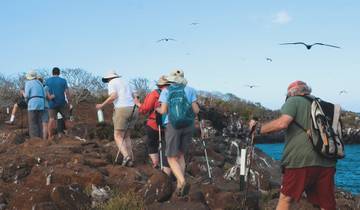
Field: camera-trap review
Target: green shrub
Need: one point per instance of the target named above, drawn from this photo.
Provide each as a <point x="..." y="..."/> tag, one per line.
<point x="124" y="201"/>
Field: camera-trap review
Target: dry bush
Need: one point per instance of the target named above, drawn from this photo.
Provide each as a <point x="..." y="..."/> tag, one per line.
<point x="83" y="85"/>
<point x="10" y="87"/>
<point x="9" y="90"/>
<point x="141" y="87"/>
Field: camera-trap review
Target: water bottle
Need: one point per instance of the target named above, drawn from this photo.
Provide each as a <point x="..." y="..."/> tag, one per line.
<point x="48" y="180"/>
<point x="100" y="116"/>
<point x="7" y="110"/>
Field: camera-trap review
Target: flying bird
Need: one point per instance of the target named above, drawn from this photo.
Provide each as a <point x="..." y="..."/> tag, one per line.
<point x="166" y="40"/>
<point x="194" y="23"/>
<point x="342" y="92"/>
<point x="269" y="59"/>
<point x="251" y="86"/>
<point x="309" y="46"/>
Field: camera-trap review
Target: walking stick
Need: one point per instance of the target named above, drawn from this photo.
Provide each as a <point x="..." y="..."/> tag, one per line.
<point x="126" y="130"/>
<point x="250" y="160"/>
<point x="205" y="151"/>
<point x="158" y="120"/>
<point x="160" y="149"/>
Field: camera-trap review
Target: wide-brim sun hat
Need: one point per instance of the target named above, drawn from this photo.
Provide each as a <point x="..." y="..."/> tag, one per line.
<point x="110" y="75"/>
<point x="31" y="75"/>
<point x="177" y="76"/>
<point x="162" y="81"/>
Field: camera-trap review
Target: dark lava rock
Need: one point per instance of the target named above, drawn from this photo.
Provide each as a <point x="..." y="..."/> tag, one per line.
<point x="70" y="197"/>
<point x="158" y="188"/>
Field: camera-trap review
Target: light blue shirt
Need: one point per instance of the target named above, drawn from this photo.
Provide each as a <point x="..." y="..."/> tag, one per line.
<point x="189" y="92"/>
<point x="35" y="95"/>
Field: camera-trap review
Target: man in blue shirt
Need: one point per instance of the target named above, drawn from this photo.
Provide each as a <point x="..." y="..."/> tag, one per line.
<point x="178" y="140"/>
<point x="58" y="89"/>
<point x="34" y="94"/>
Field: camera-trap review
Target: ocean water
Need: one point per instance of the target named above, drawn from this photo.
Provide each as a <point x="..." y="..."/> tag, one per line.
<point x="347" y="170"/>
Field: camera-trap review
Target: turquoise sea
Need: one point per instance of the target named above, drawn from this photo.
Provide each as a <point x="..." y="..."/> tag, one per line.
<point x="347" y="170"/>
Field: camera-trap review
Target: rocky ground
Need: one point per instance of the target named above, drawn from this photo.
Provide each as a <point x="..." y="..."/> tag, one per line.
<point x="77" y="172"/>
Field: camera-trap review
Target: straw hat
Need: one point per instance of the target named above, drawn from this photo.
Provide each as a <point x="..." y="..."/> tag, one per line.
<point x="162" y="81"/>
<point x="31" y="75"/>
<point x="110" y="75"/>
<point x="177" y="76"/>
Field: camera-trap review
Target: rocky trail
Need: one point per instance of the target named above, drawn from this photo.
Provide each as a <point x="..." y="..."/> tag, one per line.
<point x="77" y="171"/>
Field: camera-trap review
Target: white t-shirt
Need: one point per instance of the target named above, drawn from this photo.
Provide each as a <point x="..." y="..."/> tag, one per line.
<point x="124" y="92"/>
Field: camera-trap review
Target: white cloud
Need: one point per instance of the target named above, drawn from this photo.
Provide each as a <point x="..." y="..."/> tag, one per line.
<point x="282" y="17"/>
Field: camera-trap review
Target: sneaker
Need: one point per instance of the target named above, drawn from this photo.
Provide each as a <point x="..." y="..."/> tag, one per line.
<point x="183" y="190"/>
<point x="9" y="122"/>
<point x="130" y="163"/>
<point x="126" y="161"/>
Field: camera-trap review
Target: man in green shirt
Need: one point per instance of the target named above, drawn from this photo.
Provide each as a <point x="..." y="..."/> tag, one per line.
<point x="304" y="169"/>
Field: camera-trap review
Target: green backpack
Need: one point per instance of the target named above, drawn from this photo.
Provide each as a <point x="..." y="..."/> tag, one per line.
<point x="180" y="110"/>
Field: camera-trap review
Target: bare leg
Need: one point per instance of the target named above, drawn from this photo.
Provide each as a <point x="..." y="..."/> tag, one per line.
<point x="52" y="126"/>
<point x="129" y="145"/>
<point x="119" y="140"/>
<point x="284" y="202"/>
<point x="167" y="170"/>
<point x="45" y="127"/>
<point x="177" y="170"/>
<point x="181" y="159"/>
<point x="14" y="110"/>
<point x="154" y="157"/>
<point x="13" y="113"/>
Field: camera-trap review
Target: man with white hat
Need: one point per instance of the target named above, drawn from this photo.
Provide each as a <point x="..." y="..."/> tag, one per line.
<point x="35" y="96"/>
<point x="178" y="99"/>
<point x="121" y="95"/>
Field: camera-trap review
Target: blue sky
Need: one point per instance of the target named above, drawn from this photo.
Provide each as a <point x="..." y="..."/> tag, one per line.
<point x="226" y="51"/>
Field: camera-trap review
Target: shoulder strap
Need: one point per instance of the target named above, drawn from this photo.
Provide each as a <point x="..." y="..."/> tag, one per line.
<point x="42" y="88"/>
<point x="336" y="117"/>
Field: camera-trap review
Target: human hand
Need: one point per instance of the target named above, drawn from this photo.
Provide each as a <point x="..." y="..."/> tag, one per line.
<point x="252" y="124"/>
<point x="99" y="106"/>
<point x="137" y="101"/>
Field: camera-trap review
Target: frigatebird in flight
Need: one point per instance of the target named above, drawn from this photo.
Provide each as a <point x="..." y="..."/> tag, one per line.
<point x="342" y="92"/>
<point x="308" y="46"/>
<point x="166" y="40"/>
<point x="251" y="86"/>
<point x="269" y="59"/>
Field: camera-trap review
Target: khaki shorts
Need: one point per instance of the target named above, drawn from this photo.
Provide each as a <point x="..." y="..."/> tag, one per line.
<point x="122" y="118"/>
<point x="64" y="111"/>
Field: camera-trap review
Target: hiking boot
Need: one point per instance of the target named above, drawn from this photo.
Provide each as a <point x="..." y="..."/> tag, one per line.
<point x="127" y="162"/>
<point x="130" y="163"/>
<point x="183" y="190"/>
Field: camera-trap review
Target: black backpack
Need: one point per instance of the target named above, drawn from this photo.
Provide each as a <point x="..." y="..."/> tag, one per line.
<point x="325" y="132"/>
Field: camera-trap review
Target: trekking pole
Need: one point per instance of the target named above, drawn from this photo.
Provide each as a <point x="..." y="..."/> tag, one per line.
<point x="126" y="130"/>
<point x="250" y="160"/>
<point x="159" y="123"/>
<point x="160" y="148"/>
<point x="205" y="151"/>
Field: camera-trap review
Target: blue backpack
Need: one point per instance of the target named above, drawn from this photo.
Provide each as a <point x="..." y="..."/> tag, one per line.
<point x="180" y="110"/>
